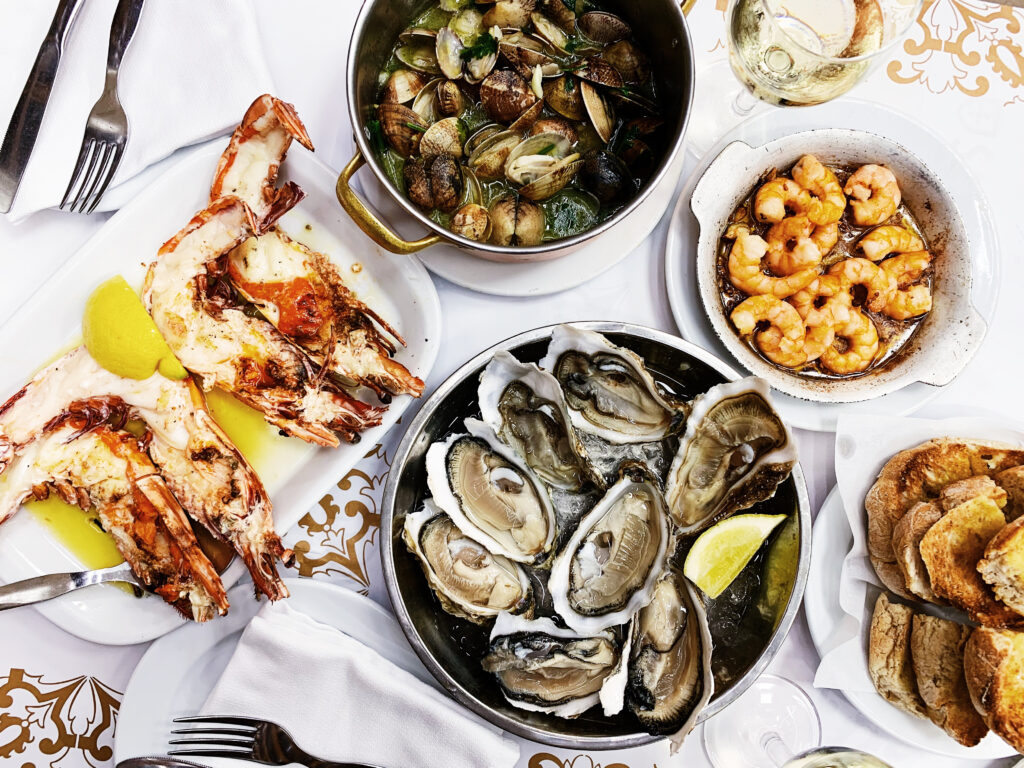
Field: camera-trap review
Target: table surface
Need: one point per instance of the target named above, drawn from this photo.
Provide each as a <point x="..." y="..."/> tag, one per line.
<point x="961" y="73"/>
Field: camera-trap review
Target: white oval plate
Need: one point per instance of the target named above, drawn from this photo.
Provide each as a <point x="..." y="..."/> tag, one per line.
<point x="681" y="243"/>
<point x="543" y="277"/>
<point x="50" y="321"/>
<point x="832" y="540"/>
<point x="177" y="673"/>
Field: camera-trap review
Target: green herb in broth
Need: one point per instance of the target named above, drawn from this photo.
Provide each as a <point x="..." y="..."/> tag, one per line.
<point x="484" y="45"/>
<point x="569" y="213"/>
<point x="433" y="18"/>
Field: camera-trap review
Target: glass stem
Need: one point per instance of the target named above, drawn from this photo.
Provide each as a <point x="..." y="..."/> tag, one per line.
<point x="776" y="748"/>
<point x="744" y="102"/>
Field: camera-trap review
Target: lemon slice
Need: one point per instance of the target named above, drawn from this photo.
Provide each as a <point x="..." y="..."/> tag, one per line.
<point x="122" y="337"/>
<point x="721" y="552"/>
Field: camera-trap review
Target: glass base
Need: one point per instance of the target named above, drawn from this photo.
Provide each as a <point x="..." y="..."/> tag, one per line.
<point x="720" y="103"/>
<point x="772" y="721"/>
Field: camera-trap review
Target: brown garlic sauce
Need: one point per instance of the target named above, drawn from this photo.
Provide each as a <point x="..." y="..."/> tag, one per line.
<point x="893" y="335"/>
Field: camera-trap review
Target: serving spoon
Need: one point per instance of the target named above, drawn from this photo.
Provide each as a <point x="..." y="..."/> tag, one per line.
<point x="39" y="589"/>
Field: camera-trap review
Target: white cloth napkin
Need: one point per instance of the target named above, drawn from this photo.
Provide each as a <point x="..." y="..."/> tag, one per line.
<point x="189" y="74"/>
<point x="341" y="700"/>
<point x="863" y="446"/>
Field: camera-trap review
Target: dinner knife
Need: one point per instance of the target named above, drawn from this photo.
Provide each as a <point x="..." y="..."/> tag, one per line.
<point x="41" y="588"/>
<point x="23" y="129"/>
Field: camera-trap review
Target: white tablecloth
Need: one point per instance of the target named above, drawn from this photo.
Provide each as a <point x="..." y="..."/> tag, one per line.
<point x="961" y="73"/>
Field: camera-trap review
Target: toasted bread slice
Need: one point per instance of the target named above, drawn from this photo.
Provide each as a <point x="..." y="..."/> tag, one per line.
<point x="994" y="671"/>
<point x="889" y="662"/>
<point x="1003" y="565"/>
<point x="906" y="541"/>
<point x="919" y="474"/>
<point x="1012" y="481"/>
<point x="951" y="551"/>
<point x="937" y="650"/>
<point x="955" y="494"/>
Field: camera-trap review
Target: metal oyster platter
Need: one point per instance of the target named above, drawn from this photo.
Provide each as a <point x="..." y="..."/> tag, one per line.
<point x="550" y="599"/>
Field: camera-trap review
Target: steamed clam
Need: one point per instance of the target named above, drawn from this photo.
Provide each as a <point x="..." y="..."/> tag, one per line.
<point x="503" y="67"/>
<point x="606" y="572"/>
<point x="670" y="677"/>
<point x="734" y="453"/>
<point x="491" y="495"/>
<point x="469" y="581"/>
<point x="524" y="406"/>
<point x="609" y="391"/>
<point x="544" y="668"/>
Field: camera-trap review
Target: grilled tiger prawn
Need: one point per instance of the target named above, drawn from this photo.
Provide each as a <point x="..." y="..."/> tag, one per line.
<point x="109" y="471"/>
<point x="197" y="461"/>
<point x="227" y="348"/>
<point x="299" y="290"/>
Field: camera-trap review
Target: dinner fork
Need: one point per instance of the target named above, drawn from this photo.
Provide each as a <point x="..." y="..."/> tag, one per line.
<point x="245" y="738"/>
<point x="106" y="130"/>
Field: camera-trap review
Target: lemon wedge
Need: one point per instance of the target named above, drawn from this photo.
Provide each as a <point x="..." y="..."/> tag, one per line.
<point x="723" y="550"/>
<point x="122" y="337"/>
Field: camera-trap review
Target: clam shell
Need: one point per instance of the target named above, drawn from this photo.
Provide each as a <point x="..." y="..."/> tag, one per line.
<point x="563" y="95"/>
<point x="420" y="56"/>
<point x="602" y="27"/>
<point x="599" y="72"/>
<point x="598" y="110"/>
<point x="395" y="121"/>
<point x="403" y="85"/>
<point x="489" y="156"/>
<point x="553" y="181"/>
<point x="448" y="51"/>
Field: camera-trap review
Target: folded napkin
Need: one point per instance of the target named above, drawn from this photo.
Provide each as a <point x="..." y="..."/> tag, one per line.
<point x="341" y="700"/>
<point x="189" y="74"/>
<point x="863" y="445"/>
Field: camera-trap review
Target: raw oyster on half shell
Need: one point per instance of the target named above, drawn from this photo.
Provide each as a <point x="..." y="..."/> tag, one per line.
<point x="670" y="677"/>
<point x="524" y="407"/>
<point x="491" y="495"/>
<point x="606" y="572"/>
<point x="469" y="581"/>
<point x="543" y="668"/>
<point x="609" y="391"/>
<point x="735" y="452"/>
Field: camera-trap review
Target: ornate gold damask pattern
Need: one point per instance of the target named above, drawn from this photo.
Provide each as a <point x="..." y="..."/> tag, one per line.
<point x="68" y="722"/>
<point x="963" y="46"/>
<point x="548" y="760"/>
<point x="340" y="536"/>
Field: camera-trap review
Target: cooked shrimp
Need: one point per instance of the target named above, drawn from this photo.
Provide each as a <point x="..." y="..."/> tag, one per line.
<point x="874" y="193"/>
<point x="877" y="283"/>
<point x="828" y="296"/>
<point x="109" y="471"/>
<point x="779" y="198"/>
<point x="248" y="168"/>
<point x="227" y="348"/>
<point x="786" y="345"/>
<point x="909" y="299"/>
<point x="889" y="239"/>
<point x="789" y="340"/>
<point x="858" y="338"/>
<point x="747" y="274"/>
<point x="828" y="202"/>
<point x="825" y="236"/>
<point x="790" y="247"/>
<point x="199" y="463"/>
<point x="302" y="293"/>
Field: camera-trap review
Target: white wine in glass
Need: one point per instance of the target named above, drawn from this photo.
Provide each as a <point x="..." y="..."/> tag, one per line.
<point x="835" y="757"/>
<point x="804" y="52"/>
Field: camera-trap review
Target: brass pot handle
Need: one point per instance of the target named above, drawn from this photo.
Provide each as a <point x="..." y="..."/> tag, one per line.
<point x="370" y="224"/>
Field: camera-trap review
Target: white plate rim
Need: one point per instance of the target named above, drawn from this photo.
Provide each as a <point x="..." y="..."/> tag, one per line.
<point x="680" y="280"/>
<point x="823" y="614"/>
<point x="319" y="179"/>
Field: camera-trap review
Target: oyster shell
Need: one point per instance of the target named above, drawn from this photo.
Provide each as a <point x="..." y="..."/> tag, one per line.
<point x="491" y="495"/>
<point x="524" y="406"/>
<point x="469" y="581"/>
<point x="606" y="572"/>
<point x="543" y="668"/>
<point x="609" y="391"/>
<point x="670" y="678"/>
<point x="734" y="453"/>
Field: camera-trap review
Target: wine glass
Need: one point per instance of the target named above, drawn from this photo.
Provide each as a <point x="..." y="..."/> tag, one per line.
<point x="774" y="724"/>
<point x="793" y="53"/>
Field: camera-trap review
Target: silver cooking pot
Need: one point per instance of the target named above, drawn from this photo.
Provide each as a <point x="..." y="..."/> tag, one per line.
<point x="660" y="28"/>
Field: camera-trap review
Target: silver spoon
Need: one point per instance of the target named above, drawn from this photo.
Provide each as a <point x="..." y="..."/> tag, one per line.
<point x="41" y="588"/>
